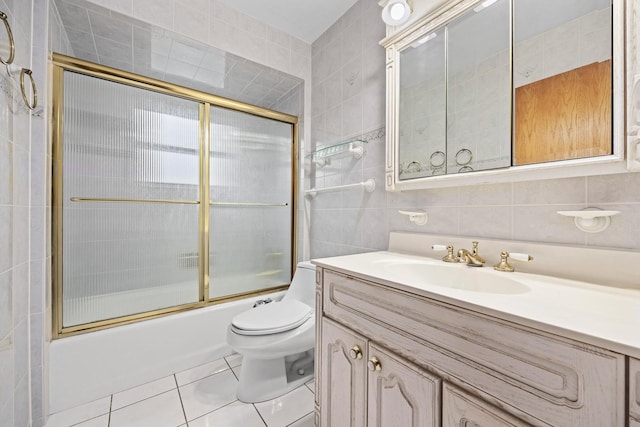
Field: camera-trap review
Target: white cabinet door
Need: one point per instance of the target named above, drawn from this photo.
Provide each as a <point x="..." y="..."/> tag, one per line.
<point x="399" y="393"/>
<point x="344" y="377"/>
<point x="460" y="409"/>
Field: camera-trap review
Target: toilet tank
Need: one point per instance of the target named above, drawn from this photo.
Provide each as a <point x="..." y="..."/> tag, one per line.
<point x="303" y="285"/>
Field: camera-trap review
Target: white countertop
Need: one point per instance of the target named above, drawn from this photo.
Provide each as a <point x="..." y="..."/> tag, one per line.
<point x="604" y="316"/>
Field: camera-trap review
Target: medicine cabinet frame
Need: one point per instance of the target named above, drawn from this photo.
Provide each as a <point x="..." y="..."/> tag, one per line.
<point x="433" y="18"/>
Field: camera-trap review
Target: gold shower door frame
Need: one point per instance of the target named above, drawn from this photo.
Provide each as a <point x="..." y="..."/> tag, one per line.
<point x="62" y="63"/>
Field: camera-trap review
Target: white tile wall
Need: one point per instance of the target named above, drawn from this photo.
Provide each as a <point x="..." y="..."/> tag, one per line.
<point x="22" y="314"/>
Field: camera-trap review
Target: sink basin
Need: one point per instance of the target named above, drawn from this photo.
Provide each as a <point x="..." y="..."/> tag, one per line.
<point x="472" y="279"/>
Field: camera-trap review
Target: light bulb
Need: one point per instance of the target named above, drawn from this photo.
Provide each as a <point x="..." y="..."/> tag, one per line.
<point x="397" y="11"/>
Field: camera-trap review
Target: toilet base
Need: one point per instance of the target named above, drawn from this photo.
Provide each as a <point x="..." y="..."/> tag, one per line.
<point x="266" y="379"/>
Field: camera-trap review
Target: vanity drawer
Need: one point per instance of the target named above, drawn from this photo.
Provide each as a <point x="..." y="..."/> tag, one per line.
<point x="461" y="409"/>
<point x="551" y="380"/>
<point x="634" y="390"/>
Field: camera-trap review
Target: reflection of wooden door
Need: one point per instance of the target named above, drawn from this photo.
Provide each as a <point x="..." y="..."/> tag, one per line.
<point x="566" y="116"/>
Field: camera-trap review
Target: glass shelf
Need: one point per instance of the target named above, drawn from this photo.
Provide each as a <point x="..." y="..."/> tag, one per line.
<point x="321" y="156"/>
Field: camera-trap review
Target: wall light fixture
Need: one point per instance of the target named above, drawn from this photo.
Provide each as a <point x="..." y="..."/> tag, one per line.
<point x="396" y="12"/>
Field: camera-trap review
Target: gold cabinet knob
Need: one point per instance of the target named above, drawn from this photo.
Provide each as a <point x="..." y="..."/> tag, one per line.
<point x="355" y="352"/>
<point x="374" y="365"/>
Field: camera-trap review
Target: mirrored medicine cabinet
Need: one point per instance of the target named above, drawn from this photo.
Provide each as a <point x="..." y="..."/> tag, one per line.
<point x="506" y="90"/>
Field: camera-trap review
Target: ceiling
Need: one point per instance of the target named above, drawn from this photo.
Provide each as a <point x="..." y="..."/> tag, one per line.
<point x="106" y="37"/>
<point x="304" y="19"/>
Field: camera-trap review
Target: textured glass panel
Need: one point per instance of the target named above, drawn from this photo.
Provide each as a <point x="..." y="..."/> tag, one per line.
<point x="122" y="259"/>
<point x="127" y="143"/>
<point x="251" y="162"/>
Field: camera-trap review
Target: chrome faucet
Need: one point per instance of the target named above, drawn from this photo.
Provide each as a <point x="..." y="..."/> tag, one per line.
<point x="471" y="258"/>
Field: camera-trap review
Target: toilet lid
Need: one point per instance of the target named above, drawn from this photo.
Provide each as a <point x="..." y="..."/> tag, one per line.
<point x="271" y="318"/>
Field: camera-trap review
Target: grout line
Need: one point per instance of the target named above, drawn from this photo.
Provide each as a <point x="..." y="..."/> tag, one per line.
<point x="184" y="413"/>
<point x="110" y="408"/>
<point x="259" y="414"/>
<point x="305" y="415"/>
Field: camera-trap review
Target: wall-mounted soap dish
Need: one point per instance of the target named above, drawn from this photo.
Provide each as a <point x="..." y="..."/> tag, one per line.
<point x="416" y="217"/>
<point x="591" y="220"/>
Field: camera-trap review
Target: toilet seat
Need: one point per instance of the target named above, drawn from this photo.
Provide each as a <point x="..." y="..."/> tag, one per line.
<point x="271" y="318"/>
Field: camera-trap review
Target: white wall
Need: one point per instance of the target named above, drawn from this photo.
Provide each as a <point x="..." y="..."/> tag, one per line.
<point x="23" y="254"/>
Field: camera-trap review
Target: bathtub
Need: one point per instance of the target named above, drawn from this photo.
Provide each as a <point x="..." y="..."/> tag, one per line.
<point x="86" y="367"/>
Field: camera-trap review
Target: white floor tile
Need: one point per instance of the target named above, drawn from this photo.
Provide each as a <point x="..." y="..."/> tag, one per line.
<point x="201" y="371"/>
<point x="234" y="360"/>
<point x="288" y="408"/>
<point x="236" y="371"/>
<point x="145" y="391"/>
<point x="312" y="385"/>
<point x="236" y="414"/>
<point x="101" y="421"/>
<point x="208" y="394"/>
<point x="158" y="411"/>
<point x="306" y="421"/>
<point x="80" y="413"/>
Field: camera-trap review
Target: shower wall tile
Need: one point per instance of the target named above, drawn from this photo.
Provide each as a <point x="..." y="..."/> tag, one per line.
<point x="490" y="221"/>
<point x="544" y="224"/>
<point x="374" y="229"/>
<point x="378" y="198"/>
<point x="566" y="190"/>
<point x="6" y="172"/>
<point x="191" y="19"/>
<point x="623" y="231"/>
<point x="374" y="155"/>
<point x="442" y="197"/>
<point x="6" y="307"/>
<point x="157" y="12"/>
<point x="620" y="188"/>
<point x="483" y="195"/>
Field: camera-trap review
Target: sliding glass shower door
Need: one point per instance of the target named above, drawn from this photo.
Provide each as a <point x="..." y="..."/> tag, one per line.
<point x="130" y="200"/>
<point x="251" y="197"/>
<point x="165" y="198"/>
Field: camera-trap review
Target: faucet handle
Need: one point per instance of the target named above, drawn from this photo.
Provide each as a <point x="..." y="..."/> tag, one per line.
<point x="521" y="257"/>
<point x="504" y="265"/>
<point x="475" y="252"/>
<point x="449" y="257"/>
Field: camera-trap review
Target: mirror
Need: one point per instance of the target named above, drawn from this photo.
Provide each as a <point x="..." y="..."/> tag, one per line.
<point x="501" y="85"/>
<point x="423" y="107"/>
<point x="479" y="89"/>
<point x="562" y="80"/>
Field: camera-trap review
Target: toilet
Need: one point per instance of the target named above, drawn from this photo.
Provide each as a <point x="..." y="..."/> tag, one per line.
<point x="277" y="340"/>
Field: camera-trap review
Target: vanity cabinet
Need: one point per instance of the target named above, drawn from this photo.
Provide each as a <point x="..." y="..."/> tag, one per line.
<point x="480" y="370"/>
<point x="462" y="409"/>
<point x="366" y="385"/>
<point x="634" y="393"/>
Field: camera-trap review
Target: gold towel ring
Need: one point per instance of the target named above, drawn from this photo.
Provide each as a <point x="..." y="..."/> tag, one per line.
<point x="30" y="105"/>
<point x="12" y="45"/>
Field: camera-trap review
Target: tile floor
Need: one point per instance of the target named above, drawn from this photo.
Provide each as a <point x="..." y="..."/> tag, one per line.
<point x="204" y="396"/>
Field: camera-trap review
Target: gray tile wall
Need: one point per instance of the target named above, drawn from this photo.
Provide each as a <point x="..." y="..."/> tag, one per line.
<point x="356" y="221"/>
<point x="16" y="224"/>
